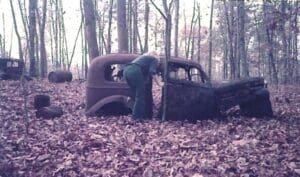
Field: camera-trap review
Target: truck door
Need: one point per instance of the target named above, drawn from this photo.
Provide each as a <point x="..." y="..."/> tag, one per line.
<point x="188" y="98"/>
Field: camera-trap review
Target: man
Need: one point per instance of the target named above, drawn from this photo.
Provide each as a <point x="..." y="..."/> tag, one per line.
<point x="138" y="75"/>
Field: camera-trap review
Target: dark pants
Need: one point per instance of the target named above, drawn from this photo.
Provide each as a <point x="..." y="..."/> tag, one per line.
<point x="149" y="99"/>
<point x="136" y="81"/>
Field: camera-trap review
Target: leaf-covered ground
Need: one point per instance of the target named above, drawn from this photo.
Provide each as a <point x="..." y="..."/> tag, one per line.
<point x="75" y="145"/>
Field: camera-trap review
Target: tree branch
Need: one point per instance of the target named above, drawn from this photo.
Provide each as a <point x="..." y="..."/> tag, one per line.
<point x="162" y="14"/>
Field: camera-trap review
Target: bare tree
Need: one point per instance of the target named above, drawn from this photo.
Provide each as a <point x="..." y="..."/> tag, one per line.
<point x="168" y="28"/>
<point x="241" y="40"/>
<point x="295" y="64"/>
<point x="146" y="18"/>
<point x="2" y="38"/>
<point x="199" y="34"/>
<point x="269" y="35"/>
<point x="16" y="30"/>
<point x="134" y="26"/>
<point x="176" y="3"/>
<point x="191" y="31"/>
<point x="24" y="19"/>
<point x="43" y="56"/>
<point x="122" y="26"/>
<point x="110" y="15"/>
<point x="32" y="36"/>
<point x="210" y="39"/>
<point x="230" y="39"/>
<point x="75" y="43"/>
<point x="90" y="28"/>
<point x="260" y="62"/>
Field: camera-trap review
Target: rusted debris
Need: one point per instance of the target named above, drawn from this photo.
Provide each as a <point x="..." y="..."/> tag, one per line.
<point x="60" y="76"/>
<point x="11" y="68"/>
<point x="49" y="112"/>
<point x="41" y="101"/>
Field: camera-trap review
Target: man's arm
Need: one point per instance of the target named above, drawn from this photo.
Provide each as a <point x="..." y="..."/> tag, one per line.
<point x="156" y="80"/>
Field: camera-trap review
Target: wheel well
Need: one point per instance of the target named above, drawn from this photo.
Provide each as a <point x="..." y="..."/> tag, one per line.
<point x="113" y="108"/>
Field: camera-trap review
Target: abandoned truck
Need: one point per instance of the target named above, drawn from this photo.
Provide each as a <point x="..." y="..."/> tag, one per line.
<point x="11" y="68"/>
<point x="190" y="94"/>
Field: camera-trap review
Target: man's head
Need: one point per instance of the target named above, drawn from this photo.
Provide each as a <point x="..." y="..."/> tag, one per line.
<point x="154" y="54"/>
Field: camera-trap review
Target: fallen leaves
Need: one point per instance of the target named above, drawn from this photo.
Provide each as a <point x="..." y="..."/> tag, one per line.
<point x="75" y="145"/>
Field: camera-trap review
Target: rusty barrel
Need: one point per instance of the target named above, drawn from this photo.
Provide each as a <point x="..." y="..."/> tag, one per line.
<point x="60" y="76"/>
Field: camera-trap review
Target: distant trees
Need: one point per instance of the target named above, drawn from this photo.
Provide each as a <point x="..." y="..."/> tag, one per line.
<point x="260" y="42"/>
<point x="246" y="38"/>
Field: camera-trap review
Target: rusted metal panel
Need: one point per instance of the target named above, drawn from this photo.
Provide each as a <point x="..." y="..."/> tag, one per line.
<point x="11" y="68"/>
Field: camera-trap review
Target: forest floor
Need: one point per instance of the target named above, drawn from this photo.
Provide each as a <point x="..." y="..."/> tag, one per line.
<point x="76" y="145"/>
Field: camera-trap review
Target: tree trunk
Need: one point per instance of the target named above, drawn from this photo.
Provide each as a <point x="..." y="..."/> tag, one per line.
<point x="156" y="33"/>
<point x="146" y="18"/>
<point x="193" y="43"/>
<point x="51" y="31"/>
<point x="130" y="16"/>
<point x="24" y="19"/>
<point x="270" y="50"/>
<point x="260" y="62"/>
<point x="225" y="48"/>
<point x="236" y="37"/>
<point x="16" y="31"/>
<point x="185" y="34"/>
<point x="122" y="27"/>
<point x="210" y="40"/>
<point x="32" y="36"/>
<point x="3" y="51"/>
<point x="135" y="26"/>
<point x="230" y="40"/>
<point x="168" y="28"/>
<point x="110" y="14"/>
<point x="295" y="47"/>
<point x="190" y="32"/>
<point x="75" y="43"/>
<point x="56" y="31"/>
<point x="37" y="49"/>
<point x="99" y="27"/>
<point x="43" y="56"/>
<point x="285" y="56"/>
<point x="90" y="28"/>
<point x="241" y="40"/>
<point x="64" y="46"/>
<point x="199" y="35"/>
<point x="176" y="3"/>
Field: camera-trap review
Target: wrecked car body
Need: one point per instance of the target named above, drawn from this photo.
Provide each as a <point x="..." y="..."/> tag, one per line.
<point x="11" y="68"/>
<point x="190" y="94"/>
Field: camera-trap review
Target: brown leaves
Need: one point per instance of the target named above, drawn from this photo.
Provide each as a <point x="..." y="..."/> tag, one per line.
<point x="75" y="145"/>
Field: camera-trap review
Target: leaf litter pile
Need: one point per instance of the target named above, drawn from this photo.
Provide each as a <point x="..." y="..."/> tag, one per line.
<point x="76" y="145"/>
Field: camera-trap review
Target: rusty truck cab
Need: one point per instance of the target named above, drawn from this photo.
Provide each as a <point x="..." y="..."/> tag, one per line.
<point x="105" y="89"/>
<point x="107" y="92"/>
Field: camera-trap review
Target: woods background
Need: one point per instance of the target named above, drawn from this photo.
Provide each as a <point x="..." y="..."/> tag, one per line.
<point x="243" y="38"/>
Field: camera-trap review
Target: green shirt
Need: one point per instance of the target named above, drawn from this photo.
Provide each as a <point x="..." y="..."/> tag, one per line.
<point x="148" y="63"/>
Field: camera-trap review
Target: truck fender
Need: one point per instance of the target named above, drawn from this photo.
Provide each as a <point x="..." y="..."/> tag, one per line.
<point x="115" y="98"/>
